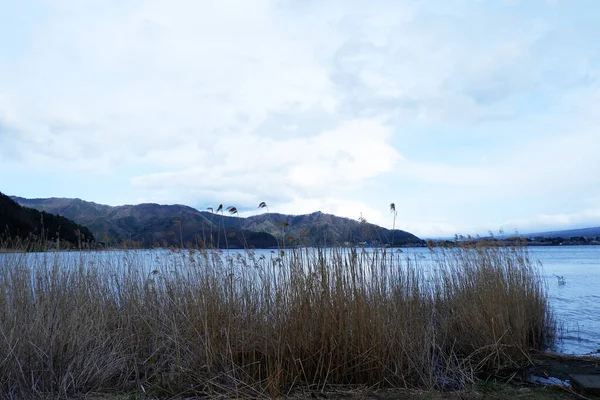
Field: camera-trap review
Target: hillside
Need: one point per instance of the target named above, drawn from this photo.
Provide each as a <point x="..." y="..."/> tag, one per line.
<point x="160" y="225"/>
<point x="153" y="225"/>
<point x="21" y="222"/>
<point x="589" y="233"/>
<point x="320" y="228"/>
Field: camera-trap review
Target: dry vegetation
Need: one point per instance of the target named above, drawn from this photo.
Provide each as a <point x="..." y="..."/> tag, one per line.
<point x="204" y="322"/>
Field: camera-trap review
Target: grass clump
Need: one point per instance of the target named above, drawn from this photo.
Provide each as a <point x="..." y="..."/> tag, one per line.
<point x="245" y="324"/>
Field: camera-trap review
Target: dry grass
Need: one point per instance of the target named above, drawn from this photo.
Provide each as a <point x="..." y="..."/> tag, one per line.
<point x="201" y="322"/>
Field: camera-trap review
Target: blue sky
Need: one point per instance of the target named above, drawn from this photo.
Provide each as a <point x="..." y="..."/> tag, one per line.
<point x="470" y="116"/>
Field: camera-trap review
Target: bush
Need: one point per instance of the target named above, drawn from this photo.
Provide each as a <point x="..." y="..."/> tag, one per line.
<point x="206" y="322"/>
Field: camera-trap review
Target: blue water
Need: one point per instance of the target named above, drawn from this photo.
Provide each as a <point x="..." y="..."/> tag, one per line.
<point x="576" y="303"/>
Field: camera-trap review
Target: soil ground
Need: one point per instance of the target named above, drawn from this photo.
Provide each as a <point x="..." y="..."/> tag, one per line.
<point x="545" y="365"/>
<point x="484" y="390"/>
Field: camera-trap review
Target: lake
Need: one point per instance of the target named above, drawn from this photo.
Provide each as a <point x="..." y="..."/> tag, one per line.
<point x="576" y="303"/>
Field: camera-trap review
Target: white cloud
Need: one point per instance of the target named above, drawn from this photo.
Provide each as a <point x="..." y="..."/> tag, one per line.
<point x="546" y="222"/>
<point x="186" y="73"/>
<point x="249" y="167"/>
<point x="310" y="105"/>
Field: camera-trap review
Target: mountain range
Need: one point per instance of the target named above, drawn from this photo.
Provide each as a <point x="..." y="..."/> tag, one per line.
<point x="148" y="225"/>
<point x="593" y="232"/>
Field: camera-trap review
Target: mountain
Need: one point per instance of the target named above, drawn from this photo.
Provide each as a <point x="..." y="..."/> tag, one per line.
<point x="319" y="228"/>
<point x="21" y="222"/>
<point x="173" y="225"/>
<point x="154" y="225"/>
<point x="581" y="232"/>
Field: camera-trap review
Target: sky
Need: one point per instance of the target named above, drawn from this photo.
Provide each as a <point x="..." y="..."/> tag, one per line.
<point x="469" y="115"/>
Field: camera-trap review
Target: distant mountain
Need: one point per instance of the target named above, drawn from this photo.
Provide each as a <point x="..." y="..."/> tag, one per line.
<point x="319" y="229"/>
<point x="581" y="232"/>
<point x="154" y="225"/>
<point x="21" y="222"/>
<point x="173" y="225"/>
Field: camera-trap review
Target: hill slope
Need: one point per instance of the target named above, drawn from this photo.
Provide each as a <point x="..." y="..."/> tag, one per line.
<point x="320" y="228"/>
<point x="148" y="225"/>
<point x="28" y="223"/>
<point x="153" y="224"/>
<point x="585" y="232"/>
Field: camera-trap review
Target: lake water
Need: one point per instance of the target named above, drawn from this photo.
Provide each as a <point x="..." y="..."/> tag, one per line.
<point x="576" y="303"/>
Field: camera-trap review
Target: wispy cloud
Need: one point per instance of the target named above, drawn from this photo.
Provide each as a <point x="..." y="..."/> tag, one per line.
<point x="471" y="113"/>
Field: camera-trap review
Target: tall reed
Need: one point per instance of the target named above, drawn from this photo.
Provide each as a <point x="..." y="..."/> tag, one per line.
<point x="246" y="324"/>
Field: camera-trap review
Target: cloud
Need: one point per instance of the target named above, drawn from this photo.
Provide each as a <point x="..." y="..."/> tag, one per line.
<point x="250" y="167"/>
<point x="436" y="65"/>
<point x="149" y="76"/>
<point x="118" y="85"/>
<point x="546" y="222"/>
<point x="470" y="109"/>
